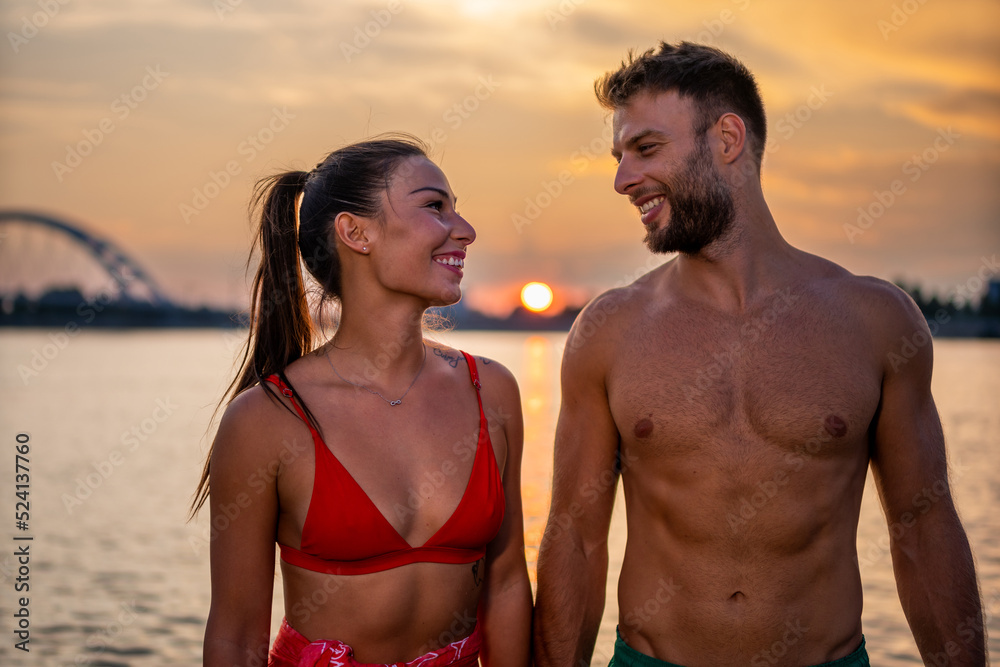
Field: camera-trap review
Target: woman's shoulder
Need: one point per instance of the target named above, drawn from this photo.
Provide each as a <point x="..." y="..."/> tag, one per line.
<point x="498" y="386"/>
<point x="253" y="420"/>
<point x="490" y="371"/>
<point x="494" y="374"/>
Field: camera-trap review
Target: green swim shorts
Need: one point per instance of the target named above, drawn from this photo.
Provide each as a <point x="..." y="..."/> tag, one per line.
<point x="626" y="656"/>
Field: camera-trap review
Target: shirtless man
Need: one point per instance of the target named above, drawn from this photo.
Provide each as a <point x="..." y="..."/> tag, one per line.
<point x="741" y="390"/>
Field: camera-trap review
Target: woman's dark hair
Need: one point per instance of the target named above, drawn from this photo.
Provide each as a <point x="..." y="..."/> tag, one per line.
<point x="350" y="179"/>
<point x="716" y="81"/>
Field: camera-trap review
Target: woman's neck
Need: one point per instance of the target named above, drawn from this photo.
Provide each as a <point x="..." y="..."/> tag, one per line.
<point x="384" y="340"/>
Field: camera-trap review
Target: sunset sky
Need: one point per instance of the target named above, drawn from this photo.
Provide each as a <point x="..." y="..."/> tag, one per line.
<point x="162" y="95"/>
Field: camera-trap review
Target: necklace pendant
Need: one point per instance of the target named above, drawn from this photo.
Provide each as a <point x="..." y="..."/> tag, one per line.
<point x="372" y="391"/>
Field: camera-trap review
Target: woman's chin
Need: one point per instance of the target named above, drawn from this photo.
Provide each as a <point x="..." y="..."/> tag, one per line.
<point x="449" y="299"/>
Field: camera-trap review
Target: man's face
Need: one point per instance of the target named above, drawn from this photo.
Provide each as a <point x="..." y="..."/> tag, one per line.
<point x="668" y="173"/>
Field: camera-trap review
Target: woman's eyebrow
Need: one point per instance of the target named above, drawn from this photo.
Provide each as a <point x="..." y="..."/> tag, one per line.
<point x="437" y="190"/>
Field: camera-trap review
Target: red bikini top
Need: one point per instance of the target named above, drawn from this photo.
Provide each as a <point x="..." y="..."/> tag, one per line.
<point x="345" y="533"/>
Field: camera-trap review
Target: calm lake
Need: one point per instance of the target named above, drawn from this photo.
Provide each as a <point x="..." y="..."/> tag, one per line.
<point x="117" y="425"/>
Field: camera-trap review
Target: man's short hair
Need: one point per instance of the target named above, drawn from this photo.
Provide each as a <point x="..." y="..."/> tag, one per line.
<point x="717" y="82"/>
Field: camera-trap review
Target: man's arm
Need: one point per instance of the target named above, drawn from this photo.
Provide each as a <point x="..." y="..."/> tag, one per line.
<point x="573" y="558"/>
<point x="505" y="605"/>
<point x="931" y="558"/>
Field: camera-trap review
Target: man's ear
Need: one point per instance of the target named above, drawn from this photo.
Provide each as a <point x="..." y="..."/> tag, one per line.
<point x="731" y="132"/>
<point x="354" y="231"/>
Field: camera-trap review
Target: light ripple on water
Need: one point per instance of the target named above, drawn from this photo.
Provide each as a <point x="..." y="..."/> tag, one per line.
<point x="135" y="650"/>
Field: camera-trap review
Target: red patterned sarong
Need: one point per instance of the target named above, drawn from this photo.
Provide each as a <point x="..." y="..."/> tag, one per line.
<point x="291" y="649"/>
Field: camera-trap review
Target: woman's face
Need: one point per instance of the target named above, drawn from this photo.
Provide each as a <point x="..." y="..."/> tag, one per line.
<point x="422" y="241"/>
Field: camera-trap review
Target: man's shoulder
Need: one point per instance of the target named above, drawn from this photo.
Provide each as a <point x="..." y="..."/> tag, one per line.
<point x="890" y="310"/>
<point x="877" y="292"/>
<point x="636" y="294"/>
<point x="597" y="326"/>
<point x="868" y="292"/>
<point x="609" y="301"/>
<point x="880" y="304"/>
<point x="606" y="310"/>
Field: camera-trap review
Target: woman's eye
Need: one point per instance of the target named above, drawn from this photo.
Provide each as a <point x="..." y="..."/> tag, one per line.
<point x="437" y="205"/>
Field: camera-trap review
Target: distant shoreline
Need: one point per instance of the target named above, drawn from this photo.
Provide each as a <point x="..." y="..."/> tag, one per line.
<point x="205" y="318"/>
<point x="70" y="310"/>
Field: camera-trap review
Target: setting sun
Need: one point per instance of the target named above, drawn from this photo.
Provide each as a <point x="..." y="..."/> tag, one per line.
<point x="536" y="297"/>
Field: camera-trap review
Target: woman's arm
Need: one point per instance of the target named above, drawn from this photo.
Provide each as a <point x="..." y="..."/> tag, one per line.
<point x="505" y="606"/>
<point x="244" y="511"/>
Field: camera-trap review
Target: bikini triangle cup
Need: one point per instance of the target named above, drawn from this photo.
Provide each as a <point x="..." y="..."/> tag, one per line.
<point x="345" y="533"/>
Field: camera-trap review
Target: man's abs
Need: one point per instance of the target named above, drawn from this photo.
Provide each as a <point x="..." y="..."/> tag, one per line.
<point x="706" y="582"/>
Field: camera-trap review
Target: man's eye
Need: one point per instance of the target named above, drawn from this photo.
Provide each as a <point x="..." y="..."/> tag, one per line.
<point x="645" y="148"/>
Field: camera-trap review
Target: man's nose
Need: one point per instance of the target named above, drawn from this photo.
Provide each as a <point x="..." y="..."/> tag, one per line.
<point x="626" y="177"/>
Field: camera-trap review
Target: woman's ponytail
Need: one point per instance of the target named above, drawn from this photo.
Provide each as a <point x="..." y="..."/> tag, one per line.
<point x="280" y="326"/>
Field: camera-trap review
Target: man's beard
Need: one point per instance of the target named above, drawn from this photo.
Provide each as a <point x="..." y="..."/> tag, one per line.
<point x="701" y="206"/>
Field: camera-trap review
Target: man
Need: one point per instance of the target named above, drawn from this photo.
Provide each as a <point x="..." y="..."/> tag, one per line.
<point x="741" y="390"/>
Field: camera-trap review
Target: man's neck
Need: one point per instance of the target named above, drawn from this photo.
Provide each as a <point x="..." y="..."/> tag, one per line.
<point x="748" y="262"/>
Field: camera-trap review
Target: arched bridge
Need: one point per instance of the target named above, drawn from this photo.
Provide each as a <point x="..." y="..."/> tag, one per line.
<point x="130" y="277"/>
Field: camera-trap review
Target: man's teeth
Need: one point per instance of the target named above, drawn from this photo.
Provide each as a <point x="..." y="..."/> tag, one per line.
<point x="650" y="205"/>
<point x="450" y="261"/>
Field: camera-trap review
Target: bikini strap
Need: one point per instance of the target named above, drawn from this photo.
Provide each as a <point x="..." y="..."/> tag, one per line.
<point x="473" y="371"/>
<point x="287" y="392"/>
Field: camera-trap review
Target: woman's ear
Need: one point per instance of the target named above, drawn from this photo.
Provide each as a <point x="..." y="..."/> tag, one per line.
<point x="354" y="231"/>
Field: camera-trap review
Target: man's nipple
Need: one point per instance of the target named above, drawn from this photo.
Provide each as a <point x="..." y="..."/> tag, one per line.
<point x="643" y="428"/>
<point x="835" y="426"/>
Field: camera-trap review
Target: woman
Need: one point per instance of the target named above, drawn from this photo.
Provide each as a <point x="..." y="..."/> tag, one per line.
<point x="369" y="459"/>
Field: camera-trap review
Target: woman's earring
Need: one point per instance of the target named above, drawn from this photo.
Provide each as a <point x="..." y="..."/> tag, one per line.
<point x="364" y="248"/>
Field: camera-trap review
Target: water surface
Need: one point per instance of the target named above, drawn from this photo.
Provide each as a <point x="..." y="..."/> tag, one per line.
<point x="118" y="421"/>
